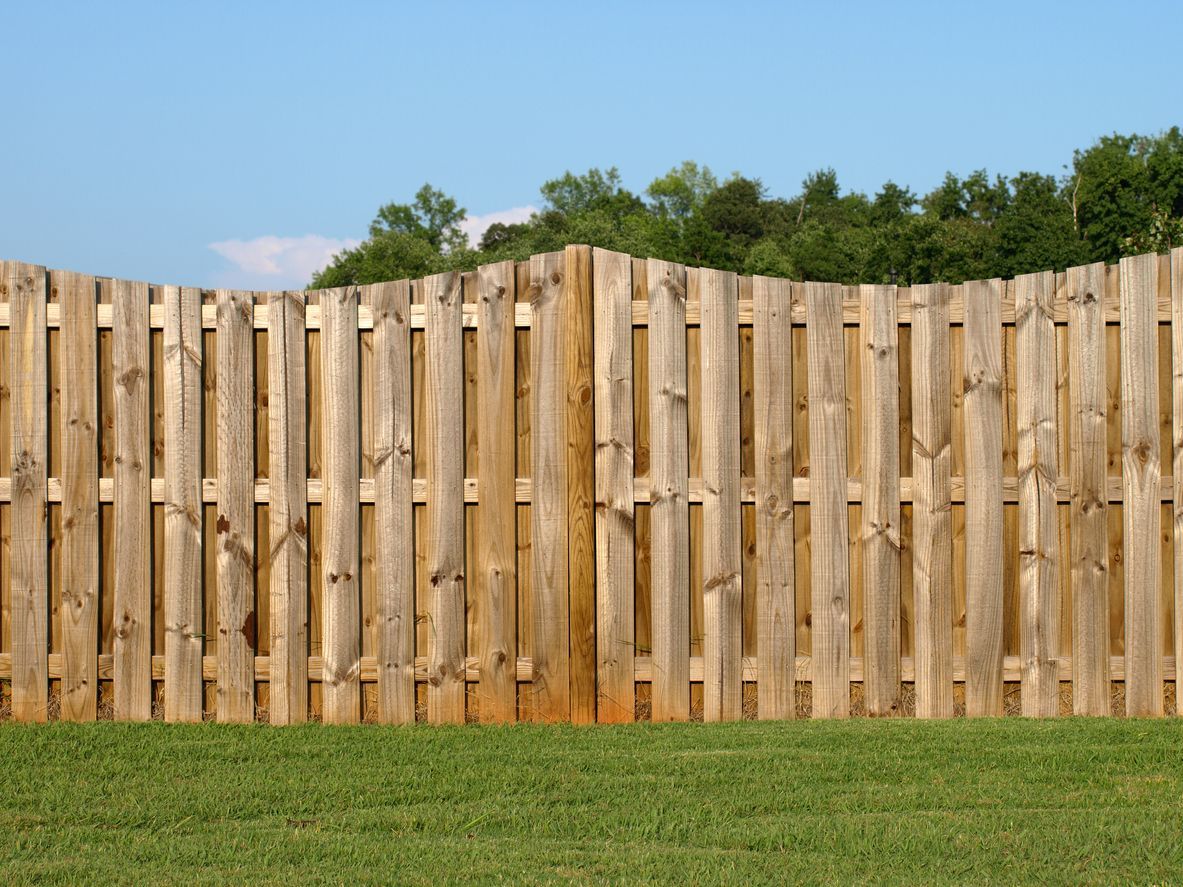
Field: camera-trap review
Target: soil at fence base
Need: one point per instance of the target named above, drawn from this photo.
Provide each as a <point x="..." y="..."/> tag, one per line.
<point x="1011" y="703"/>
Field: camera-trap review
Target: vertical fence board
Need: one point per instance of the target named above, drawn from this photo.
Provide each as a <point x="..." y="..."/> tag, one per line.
<point x="288" y="507"/>
<point x="551" y="690"/>
<point x="444" y="362"/>
<point x="878" y="342"/>
<point x="1141" y="470"/>
<point x="983" y="498"/>
<point x="394" y="538"/>
<point x="581" y="571"/>
<point x="932" y="526"/>
<point x="183" y="623"/>
<point x="496" y="569"/>
<point x="132" y="546"/>
<point x="29" y="558"/>
<point x="669" y="491"/>
<point x="776" y="643"/>
<point x="80" y="496"/>
<point x="828" y="511"/>
<point x="340" y="557"/>
<point x="614" y="504"/>
<point x="720" y="430"/>
<point x="1089" y="530"/>
<point x="235" y="531"/>
<point x="1177" y="472"/>
<point x="1038" y="468"/>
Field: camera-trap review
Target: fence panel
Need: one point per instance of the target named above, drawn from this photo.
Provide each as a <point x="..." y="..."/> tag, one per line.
<point x="679" y="493"/>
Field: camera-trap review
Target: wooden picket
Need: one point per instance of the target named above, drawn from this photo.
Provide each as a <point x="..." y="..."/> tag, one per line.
<point x="588" y="487"/>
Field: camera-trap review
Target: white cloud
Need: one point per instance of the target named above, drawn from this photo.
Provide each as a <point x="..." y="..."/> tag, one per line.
<point x="475" y="226"/>
<point x="271" y="262"/>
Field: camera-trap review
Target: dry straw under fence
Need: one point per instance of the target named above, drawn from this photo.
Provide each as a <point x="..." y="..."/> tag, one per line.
<point x="591" y="487"/>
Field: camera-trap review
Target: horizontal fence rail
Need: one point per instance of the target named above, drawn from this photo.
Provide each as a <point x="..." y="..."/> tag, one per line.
<point x="590" y="487"/>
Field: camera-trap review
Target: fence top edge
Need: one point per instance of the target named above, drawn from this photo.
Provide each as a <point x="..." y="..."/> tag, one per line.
<point x="12" y="267"/>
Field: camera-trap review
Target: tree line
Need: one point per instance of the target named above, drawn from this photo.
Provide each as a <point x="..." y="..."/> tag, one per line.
<point x="1120" y="196"/>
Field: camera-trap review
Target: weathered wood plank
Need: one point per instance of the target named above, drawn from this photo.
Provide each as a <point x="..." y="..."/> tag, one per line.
<point x="880" y="536"/>
<point x="983" y="498"/>
<point x="1141" y="470"/>
<point x="669" y="506"/>
<point x="1037" y="466"/>
<point x="932" y="531"/>
<point x="444" y="362"/>
<point x="132" y="543"/>
<point x="548" y="470"/>
<point x="581" y="569"/>
<point x="829" y="531"/>
<point x="80" y="496"/>
<point x="1177" y="416"/>
<point x="720" y="429"/>
<point x="29" y="557"/>
<point x="1087" y="467"/>
<point x="183" y="622"/>
<point x="288" y="508"/>
<point x="615" y="509"/>
<point x="496" y="569"/>
<point x="394" y="536"/>
<point x="340" y="555"/>
<point x="776" y="642"/>
<point x="236" y="506"/>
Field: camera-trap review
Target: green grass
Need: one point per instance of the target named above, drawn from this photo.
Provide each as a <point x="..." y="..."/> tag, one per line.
<point x="894" y="801"/>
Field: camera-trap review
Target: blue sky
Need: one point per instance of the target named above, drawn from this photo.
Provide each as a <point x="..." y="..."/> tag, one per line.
<point x="238" y="144"/>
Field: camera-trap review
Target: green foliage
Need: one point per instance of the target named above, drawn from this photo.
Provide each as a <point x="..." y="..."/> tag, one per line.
<point x="1123" y="195"/>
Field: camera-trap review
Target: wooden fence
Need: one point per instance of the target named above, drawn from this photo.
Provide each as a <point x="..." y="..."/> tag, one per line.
<point x="591" y="487"/>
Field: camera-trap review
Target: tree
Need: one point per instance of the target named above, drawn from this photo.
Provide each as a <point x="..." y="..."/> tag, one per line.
<point x="1123" y="194"/>
<point x="680" y="193"/>
<point x="434" y="217"/>
<point x="1036" y="232"/>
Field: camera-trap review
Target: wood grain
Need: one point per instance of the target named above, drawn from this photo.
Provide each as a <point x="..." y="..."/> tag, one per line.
<point x="444" y="428"/>
<point x="29" y="560"/>
<point x="581" y="491"/>
<point x="1141" y="471"/>
<point x="549" y="505"/>
<point x="880" y="531"/>
<point x="131" y="546"/>
<point x="776" y="642"/>
<point x="614" y="506"/>
<point x="669" y="508"/>
<point x="235" y="528"/>
<point x="932" y="531"/>
<point x="720" y="429"/>
<point x="828" y="514"/>
<point x="80" y="580"/>
<point x="1177" y="416"/>
<point x="288" y="508"/>
<point x="1037" y="467"/>
<point x="394" y="534"/>
<point x="1087" y="467"/>
<point x="340" y="556"/>
<point x="496" y="569"/>
<point x="184" y="631"/>
<point x="983" y="498"/>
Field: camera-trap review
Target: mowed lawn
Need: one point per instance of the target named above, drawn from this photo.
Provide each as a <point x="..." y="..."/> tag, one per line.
<point x="1001" y="801"/>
